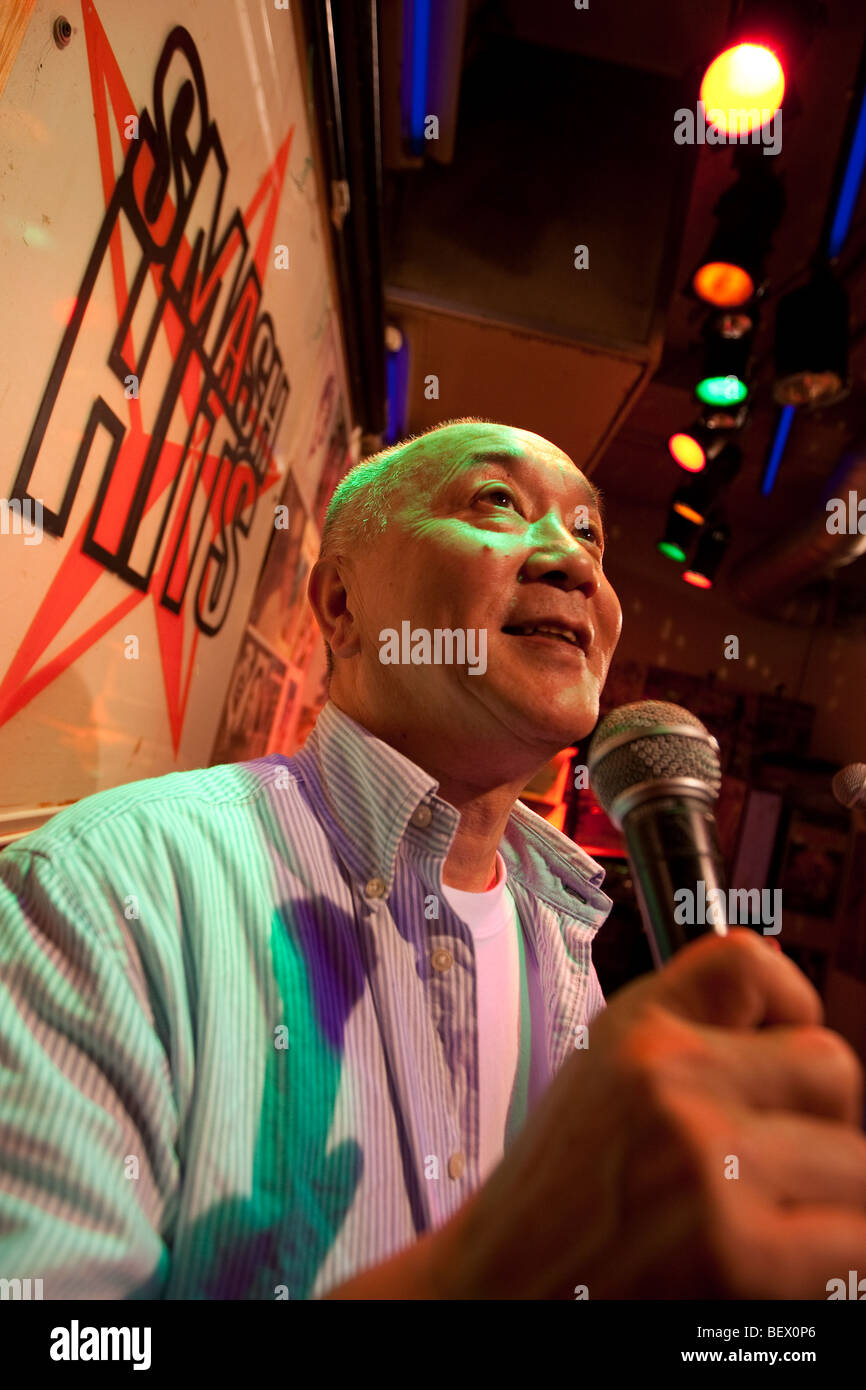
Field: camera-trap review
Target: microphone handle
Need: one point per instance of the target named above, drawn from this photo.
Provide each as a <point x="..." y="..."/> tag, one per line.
<point x="672" y="843"/>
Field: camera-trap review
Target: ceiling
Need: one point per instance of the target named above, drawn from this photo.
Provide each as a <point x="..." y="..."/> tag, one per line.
<point x="563" y="135"/>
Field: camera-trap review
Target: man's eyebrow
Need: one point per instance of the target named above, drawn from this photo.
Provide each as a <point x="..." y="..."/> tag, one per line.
<point x="518" y="463"/>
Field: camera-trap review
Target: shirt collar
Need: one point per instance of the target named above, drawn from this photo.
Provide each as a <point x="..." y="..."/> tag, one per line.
<point x="373" y="795"/>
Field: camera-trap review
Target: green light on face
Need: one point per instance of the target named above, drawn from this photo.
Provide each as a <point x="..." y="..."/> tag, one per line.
<point x="673" y="552"/>
<point x="721" y="390"/>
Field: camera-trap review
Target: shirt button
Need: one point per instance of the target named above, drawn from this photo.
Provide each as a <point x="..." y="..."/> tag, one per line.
<point x="375" y="888"/>
<point x="422" y="817"/>
<point x="442" y="960"/>
<point x="456" y="1165"/>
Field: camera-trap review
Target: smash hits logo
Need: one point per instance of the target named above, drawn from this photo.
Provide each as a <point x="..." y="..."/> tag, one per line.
<point x="183" y="436"/>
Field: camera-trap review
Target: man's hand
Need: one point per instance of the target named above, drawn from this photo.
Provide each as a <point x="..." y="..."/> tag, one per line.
<point x="705" y="1145"/>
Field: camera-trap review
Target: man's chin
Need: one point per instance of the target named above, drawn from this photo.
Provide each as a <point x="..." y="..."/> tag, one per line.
<point x="556" y="720"/>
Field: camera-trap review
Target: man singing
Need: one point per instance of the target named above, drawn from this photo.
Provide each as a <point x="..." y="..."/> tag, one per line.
<point x="316" y="1026"/>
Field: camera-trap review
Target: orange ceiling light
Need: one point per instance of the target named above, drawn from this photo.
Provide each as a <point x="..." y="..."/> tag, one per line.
<point x="723" y="284"/>
<point x="690" y="513"/>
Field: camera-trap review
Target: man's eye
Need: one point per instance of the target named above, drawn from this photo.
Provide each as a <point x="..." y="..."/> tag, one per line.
<point x="496" y="492"/>
<point x="593" y="533"/>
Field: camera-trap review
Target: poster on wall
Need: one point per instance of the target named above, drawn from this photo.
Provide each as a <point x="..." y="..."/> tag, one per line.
<point x="283" y="731"/>
<point x="168" y="319"/>
<point x="327" y="452"/>
<point x="251" y="704"/>
<point x="282" y="622"/>
<point x="811" y="873"/>
<point x="313" y="698"/>
<point x="280" y="611"/>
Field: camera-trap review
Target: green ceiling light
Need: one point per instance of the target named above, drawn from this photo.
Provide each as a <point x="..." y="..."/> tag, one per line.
<point x="729" y="340"/>
<point x="673" y="552"/>
<point x="722" y="390"/>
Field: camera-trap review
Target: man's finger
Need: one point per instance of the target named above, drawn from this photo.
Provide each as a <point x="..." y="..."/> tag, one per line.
<point x="736" y="981"/>
<point x="800" y="1250"/>
<point x="805" y="1068"/>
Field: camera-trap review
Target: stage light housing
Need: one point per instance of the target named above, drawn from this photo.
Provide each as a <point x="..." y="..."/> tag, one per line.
<point x="812" y="343"/>
<point x="710" y="550"/>
<point x="729" y="340"/>
<point x="786" y="27"/>
<point x="693" y="448"/>
<point x="732" y="271"/>
<point x="725" y="420"/>
<point x="678" y="536"/>
<point x="719" y="475"/>
<point x="692" y="501"/>
<point x="695" y="501"/>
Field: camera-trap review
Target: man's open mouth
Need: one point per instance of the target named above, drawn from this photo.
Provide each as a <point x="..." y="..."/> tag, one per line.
<point x="564" y="634"/>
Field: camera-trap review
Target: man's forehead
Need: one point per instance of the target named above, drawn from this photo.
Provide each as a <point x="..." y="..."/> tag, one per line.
<point x="515" y="449"/>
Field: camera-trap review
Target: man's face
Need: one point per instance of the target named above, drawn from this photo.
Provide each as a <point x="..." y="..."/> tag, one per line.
<point x="487" y="544"/>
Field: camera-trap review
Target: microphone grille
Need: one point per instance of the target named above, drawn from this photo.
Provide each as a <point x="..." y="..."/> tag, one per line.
<point x="650" y="741"/>
<point x="849" y="785"/>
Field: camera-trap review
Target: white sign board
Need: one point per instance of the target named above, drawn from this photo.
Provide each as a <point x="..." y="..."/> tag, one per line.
<point x="166" y="300"/>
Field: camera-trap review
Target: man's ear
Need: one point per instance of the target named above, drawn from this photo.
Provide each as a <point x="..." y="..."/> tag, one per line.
<point x="328" y="598"/>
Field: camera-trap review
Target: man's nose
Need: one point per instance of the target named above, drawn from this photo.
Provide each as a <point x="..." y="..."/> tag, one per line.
<point x="563" y="563"/>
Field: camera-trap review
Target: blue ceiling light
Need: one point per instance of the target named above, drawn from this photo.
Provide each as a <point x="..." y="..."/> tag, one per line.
<point x="416" y="57"/>
<point x="777" y="448"/>
<point x="850" y="185"/>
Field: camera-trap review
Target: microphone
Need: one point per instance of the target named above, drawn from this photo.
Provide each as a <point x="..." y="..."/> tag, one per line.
<point x="849" y="786"/>
<point x="655" y="770"/>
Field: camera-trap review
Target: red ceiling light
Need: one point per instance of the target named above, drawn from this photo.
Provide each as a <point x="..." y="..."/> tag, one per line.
<point x="700" y="581"/>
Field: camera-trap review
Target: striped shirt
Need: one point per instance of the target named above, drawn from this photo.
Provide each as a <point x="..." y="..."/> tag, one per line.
<point x="232" y="1064"/>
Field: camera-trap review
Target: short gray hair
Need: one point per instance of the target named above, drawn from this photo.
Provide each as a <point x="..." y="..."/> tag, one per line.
<point x="360" y="504"/>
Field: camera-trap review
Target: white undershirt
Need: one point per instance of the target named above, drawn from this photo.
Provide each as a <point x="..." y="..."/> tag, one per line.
<point x="492" y="919"/>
